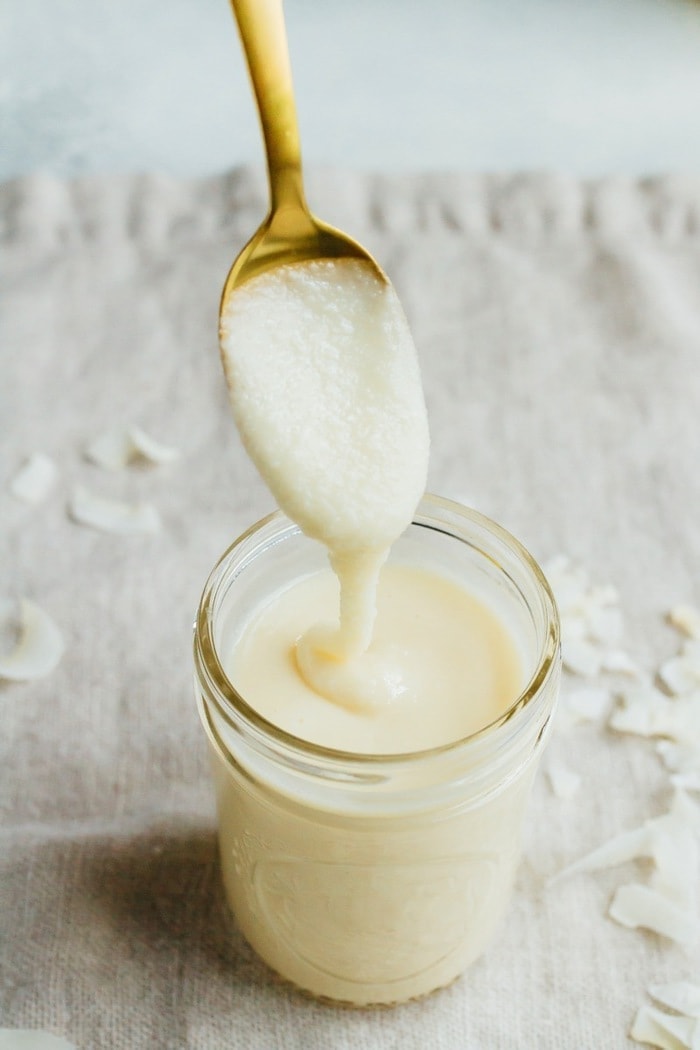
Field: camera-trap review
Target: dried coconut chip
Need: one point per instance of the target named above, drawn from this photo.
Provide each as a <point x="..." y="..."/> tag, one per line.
<point x="617" y="661"/>
<point x="573" y="591"/>
<point x="635" y="906"/>
<point x="669" y="905"/>
<point x="645" y="711"/>
<point x="109" y="515"/>
<point x="591" y="622"/>
<point x="35" y="479"/>
<point x="564" y="781"/>
<point x="116" y="448"/>
<point x="557" y="566"/>
<point x="686" y="618"/>
<point x="604" y="594"/>
<point x="640" y="710"/>
<point x="625" y="847"/>
<point x="39" y="648"/>
<point x="644" y="841"/>
<point x="666" y="1031"/>
<point x="681" y="674"/>
<point x="680" y="758"/>
<point x="678" y="995"/>
<point x="686" y="781"/>
<point x="581" y="657"/>
<point x="588" y="705"/>
<point x="676" y="857"/>
<point x="605" y="624"/>
<point x="32" y="1039"/>
<point x="569" y="583"/>
<point x="684" y="809"/>
<point x="573" y="627"/>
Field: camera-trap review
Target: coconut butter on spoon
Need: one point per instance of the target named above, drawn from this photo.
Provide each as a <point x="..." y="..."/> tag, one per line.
<point x="323" y="376"/>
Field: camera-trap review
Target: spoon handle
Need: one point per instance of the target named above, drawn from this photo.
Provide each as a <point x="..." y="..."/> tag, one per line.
<point x="264" y="38"/>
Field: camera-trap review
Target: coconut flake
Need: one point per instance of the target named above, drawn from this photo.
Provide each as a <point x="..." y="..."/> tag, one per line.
<point x="681" y="674"/>
<point x="685" y="810"/>
<point x="118" y="447"/>
<point x="678" y="995"/>
<point x="635" y="906"/>
<point x="110" y="450"/>
<point x="639" y="710"/>
<point x="32" y="1039"/>
<point x="604" y="624"/>
<point x="568" y="582"/>
<point x="680" y="758"/>
<point x="686" y="618"/>
<point x="683" y="762"/>
<point x="557" y="566"/>
<point x="564" y="781"/>
<point x="573" y="627"/>
<point x="581" y="657"/>
<point x="625" y="847"/>
<point x="152" y="450"/>
<point x="604" y="595"/>
<point x="591" y="622"/>
<point x="666" y="1031"/>
<point x="588" y="704"/>
<point x="646" y="711"/>
<point x="34" y="480"/>
<point x="686" y="781"/>
<point x="677" y="858"/>
<point x="576" y="596"/>
<point x="39" y="647"/>
<point x="643" y="841"/>
<point x="675" y="850"/>
<point x="617" y="661"/>
<point x="109" y="515"/>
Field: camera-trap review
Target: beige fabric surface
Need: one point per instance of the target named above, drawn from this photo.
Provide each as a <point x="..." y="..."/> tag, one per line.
<point x="558" y="325"/>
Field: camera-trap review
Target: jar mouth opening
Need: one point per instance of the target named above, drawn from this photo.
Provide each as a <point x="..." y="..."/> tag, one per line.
<point x="234" y="707"/>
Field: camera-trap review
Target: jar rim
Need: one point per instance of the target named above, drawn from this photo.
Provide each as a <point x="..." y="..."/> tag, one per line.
<point x="212" y="674"/>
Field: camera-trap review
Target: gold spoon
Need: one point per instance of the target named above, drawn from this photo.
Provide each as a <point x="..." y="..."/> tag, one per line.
<point x="290" y="233"/>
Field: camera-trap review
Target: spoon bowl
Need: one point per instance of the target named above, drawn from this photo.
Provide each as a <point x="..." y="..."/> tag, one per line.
<point x="290" y="233"/>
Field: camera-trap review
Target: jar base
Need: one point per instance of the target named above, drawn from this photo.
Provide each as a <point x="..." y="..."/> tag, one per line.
<point x="233" y="927"/>
<point x="348" y="1004"/>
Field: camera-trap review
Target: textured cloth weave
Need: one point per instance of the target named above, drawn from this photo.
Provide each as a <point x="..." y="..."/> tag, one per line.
<point x="558" y="324"/>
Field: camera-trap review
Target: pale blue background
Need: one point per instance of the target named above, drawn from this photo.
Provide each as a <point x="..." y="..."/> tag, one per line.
<point x="588" y="86"/>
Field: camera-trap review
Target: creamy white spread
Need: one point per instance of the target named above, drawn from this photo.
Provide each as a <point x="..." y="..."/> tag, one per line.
<point x="448" y="661"/>
<point x="326" y="392"/>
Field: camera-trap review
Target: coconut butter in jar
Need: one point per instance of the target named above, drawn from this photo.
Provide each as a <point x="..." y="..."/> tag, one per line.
<point x="369" y="848"/>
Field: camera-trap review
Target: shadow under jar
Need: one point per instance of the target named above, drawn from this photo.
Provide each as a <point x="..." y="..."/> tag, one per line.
<point x="371" y="879"/>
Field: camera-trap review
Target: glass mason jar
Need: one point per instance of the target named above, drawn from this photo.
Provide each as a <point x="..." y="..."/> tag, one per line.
<point x="372" y="879"/>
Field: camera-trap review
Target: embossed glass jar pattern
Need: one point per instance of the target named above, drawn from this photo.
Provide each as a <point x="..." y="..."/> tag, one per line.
<point x="373" y="879"/>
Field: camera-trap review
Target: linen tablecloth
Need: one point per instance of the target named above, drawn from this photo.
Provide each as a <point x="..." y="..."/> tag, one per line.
<point x="558" y="325"/>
